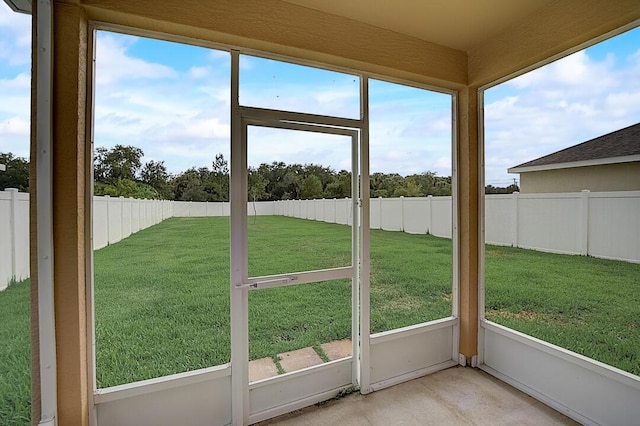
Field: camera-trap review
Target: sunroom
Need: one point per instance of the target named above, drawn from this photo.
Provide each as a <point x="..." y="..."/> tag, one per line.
<point x="457" y="49"/>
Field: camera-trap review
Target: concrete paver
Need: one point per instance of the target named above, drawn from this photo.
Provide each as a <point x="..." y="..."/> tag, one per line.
<point x="297" y="360"/>
<point x="337" y="349"/>
<point x="261" y="369"/>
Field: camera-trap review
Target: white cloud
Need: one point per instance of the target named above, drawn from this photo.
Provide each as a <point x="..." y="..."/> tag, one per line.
<point x="15" y="92"/>
<point x="337" y="95"/>
<point x="21" y="82"/>
<point x="219" y="55"/>
<point x="245" y="63"/>
<point x="567" y="102"/>
<point x="15" y="126"/>
<point x="199" y="72"/>
<point x="15" y="36"/>
<point x="115" y="65"/>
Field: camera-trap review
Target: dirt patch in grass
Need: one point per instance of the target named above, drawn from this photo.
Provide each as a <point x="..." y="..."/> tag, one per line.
<point x="402" y="303"/>
<point x="394" y="300"/>
<point x="525" y="315"/>
<point x="498" y="253"/>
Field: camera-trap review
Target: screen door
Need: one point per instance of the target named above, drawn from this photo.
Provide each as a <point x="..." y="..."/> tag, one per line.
<point x="295" y="270"/>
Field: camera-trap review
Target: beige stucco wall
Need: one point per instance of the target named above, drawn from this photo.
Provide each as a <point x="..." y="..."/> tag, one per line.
<point x="608" y="177"/>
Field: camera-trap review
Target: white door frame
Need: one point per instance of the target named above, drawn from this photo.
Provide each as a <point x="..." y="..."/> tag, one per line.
<point x="241" y="282"/>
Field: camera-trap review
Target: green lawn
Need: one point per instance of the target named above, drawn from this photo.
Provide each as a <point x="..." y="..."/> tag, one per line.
<point x="162" y="295"/>
<point x="162" y="299"/>
<point x="15" y="355"/>
<point x="590" y="306"/>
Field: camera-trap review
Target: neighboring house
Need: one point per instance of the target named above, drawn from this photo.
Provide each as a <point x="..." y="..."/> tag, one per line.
<point x="606" y="163"/>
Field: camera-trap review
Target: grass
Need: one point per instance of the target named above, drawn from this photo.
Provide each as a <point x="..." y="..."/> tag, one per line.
<point x="162" y="299"/>
<point x="162" y="306"/>
<point x="15" y="355"/>
<point x="590" y="306"/>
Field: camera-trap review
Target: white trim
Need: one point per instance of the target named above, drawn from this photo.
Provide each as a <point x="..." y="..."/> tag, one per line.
<point x="412" y="375"/>
<point x="44" y="215"/>
<point x="300" y="373"/>
<point x="398" y="333"/>
<point x="271" y="118"/>
<point x="539" y="396"/>
<point x="294" y="405"/>
<point x="455" y="226"/>
<point x="355" y="257"/>
<point x="364" y="278"/>
<point x="603" y="369"/>
<point x="239" y="265"/>
<point x="576" y="164"/>
<point x="295" y="278"/>
<point x="158" y="384"/>
<point x="89" y="273"/>
<point x="481" y="226"/>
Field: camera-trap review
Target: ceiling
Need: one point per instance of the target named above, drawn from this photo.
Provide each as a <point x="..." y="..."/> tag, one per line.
<point x="458" y="24"/>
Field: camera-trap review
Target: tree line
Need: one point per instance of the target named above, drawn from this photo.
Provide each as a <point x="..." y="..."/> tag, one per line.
<point x="119" y="171"/>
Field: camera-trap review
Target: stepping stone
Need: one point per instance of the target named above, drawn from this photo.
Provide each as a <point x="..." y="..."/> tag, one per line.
<point x="337" y="349"/>
<point x="297" y="360"/>
<point x="261" y="369"/>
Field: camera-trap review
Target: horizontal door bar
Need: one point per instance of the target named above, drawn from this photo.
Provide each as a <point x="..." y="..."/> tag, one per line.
<point x="281" y="280"/>
<point x="276" y="115"/>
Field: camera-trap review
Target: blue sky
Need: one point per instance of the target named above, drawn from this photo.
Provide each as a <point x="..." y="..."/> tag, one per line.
<point x="172" y="101"/>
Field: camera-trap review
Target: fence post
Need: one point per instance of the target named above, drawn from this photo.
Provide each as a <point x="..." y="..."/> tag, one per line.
<point x="13" y="223"/>
<point x="430" y="209"/>
<point x="402" y="213"/>
<point x="106" y="199"/>
<point x="380" y="212"/>
<point x="516" y="223"/>
<point x="121" y="217"/>
<point x="584" y="222"/>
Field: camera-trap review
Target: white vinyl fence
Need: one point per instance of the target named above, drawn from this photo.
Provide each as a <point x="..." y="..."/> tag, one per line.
<point x="114" y="218"/>
<point x="419" y="215"/>
<point x="600" y="224"/>
<point x="14" y="236"/>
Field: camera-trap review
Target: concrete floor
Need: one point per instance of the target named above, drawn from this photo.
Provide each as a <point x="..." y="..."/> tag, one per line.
<point x="456" y="396"/>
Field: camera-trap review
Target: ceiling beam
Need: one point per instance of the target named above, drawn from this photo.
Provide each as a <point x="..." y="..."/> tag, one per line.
<point x="286" y="29"/>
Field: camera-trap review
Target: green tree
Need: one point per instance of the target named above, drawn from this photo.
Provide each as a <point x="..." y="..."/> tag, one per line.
<point x="125" y="188"/>
<point x="218" y="179"/>
<point x="490" y="189"/>
<point x="154" y="174"/>
<point x="340" y="187"/>
<point x="409" y="188"/>
<point x="188" y="186"/>
<point x="119" y="162"/>
<point x="203" y="184"/>
<point x="311" y="188"/>
<point x="257" y="186"/>
<point x="16" y="174"/>
<point x="117" y="172"/>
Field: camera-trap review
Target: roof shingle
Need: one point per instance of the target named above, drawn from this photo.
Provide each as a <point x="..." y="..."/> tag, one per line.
<point x="621" y="143"/>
